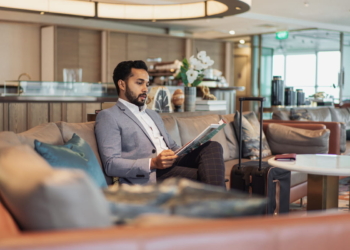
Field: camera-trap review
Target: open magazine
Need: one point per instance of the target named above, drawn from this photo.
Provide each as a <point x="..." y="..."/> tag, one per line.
<point x="202" y="138"/>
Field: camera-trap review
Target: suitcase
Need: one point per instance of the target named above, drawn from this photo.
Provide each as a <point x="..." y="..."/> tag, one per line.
<point x="259" y="177"/>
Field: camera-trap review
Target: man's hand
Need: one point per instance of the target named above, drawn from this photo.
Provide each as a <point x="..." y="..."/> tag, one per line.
<point x="164" y="160"/>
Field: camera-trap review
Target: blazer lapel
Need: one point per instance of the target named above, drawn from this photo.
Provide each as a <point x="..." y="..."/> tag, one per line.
<point x="134" y="118"/>
<point x="161" y="129"/>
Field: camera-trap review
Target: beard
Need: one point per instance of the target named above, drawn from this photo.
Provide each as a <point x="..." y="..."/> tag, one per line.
<point x="132" y="98"/>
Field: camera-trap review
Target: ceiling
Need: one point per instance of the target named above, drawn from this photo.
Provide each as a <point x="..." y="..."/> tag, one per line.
<point x="265" y="16"/>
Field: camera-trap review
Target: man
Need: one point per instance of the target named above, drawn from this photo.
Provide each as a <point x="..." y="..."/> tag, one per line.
<point x="134" y="144"/>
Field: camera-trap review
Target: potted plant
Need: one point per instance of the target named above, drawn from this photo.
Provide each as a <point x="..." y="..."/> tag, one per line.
<point x="192" y="74"/>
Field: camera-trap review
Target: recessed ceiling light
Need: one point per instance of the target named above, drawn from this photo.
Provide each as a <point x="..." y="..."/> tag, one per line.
<point x="42" y="13"/>
<point x="238" y="8"/>
<point x="241" y="41"/>
<point x="232" y="32"/>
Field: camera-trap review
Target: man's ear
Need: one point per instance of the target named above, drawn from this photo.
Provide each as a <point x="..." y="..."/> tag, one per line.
<point x="121" y="85"/>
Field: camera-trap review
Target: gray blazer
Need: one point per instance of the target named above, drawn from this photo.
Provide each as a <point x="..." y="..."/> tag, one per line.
<point x="124" y="145"/>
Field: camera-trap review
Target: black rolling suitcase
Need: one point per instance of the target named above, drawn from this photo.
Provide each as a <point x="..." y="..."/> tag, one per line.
<point x="260" y="177"/>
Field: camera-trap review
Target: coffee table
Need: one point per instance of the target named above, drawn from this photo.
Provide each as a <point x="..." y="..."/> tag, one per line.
<point x="323" y="177"/>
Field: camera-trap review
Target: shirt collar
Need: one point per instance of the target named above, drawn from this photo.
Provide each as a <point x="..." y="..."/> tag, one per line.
<point x="132" y="107"/>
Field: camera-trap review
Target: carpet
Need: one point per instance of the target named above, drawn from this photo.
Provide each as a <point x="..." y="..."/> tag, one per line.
<point x="344" y="185"/>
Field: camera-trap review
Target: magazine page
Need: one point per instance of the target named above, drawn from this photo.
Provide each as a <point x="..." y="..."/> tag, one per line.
<point x="202" y="138"/>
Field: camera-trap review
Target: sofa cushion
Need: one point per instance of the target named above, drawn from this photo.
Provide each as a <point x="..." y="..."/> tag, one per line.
<point x="251" y="136"/>
<point x="76" y="154"/>
<point x="341" y="115"/>
<point x="172" y="128"/>
<point x="42" y="198"/>
<point x="299" y="115"/>
<point x="85" y="130"/>
<point x="285" y="139"/>
<point x="8" y="138"/>
<point x="320" y="114"/>
<point x="230" y="136"/>
<point x="47" y="133"/>
<point x="281" y="115"/>
<point x="190" y="127"/>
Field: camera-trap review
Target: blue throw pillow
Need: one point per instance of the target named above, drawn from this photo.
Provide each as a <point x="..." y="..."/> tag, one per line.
<point x="76" y="153"/>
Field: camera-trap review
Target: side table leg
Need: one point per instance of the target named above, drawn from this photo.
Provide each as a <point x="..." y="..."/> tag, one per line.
<point x="322" y="192"/>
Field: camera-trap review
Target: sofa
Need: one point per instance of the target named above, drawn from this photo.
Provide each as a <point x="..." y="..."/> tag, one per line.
<point x="327" y="115"/>
<point x="182" y="127"/>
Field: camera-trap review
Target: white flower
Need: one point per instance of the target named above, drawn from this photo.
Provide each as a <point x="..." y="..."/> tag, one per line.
<point x="196" y="64"/>
<point x="207" y="62"/>
<point x="191" y="75"/>
<point x="202" y="55"/>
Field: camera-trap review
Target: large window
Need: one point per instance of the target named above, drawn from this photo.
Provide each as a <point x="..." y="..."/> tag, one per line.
<point x="313" y="72"/>
<point x="328" y="68"/>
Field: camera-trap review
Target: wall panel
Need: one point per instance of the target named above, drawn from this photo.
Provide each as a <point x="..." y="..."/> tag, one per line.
<point x="117" y="52"/>
<point x="55" y="112"/>
<point x="67" y="50"/>
<point x="176" y="48"/>
<point x="214" y="49"/>
<point x="1" y="117"/>
<point x="90" y="55"/>
<point x="19" y="51"/>
<point x="89" y="108"/>
<point x="74" y="112"/>
<point x="38" y="113"/>
<point x="158" y="46"/>
<point x="17" y="117"/>
<point x="137" y="47"/>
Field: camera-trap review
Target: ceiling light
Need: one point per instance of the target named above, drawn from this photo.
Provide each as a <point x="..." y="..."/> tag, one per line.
<point x="147" y="12"/>
<point x="71" y="7"/>
<point x="241" y="41"/>
<point x="232" y="32"/>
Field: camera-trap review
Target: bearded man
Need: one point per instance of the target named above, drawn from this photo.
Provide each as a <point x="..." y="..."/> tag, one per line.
<point x="134" y="144"/>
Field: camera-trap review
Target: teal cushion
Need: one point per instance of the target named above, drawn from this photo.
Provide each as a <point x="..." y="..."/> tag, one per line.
<point x="76" y="153"/>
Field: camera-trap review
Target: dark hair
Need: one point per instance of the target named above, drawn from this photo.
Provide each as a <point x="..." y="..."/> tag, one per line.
<point x="123" y="71"/>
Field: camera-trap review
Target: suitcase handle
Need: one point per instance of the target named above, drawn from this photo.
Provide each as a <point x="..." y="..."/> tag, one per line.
<point x="261" y="100"/>
<point x="252" y="99"/>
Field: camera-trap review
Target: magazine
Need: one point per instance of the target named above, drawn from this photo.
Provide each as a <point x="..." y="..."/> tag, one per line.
<point x="202" y="138"/>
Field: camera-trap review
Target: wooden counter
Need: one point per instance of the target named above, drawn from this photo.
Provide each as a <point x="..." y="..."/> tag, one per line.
<point x="20" y="113"/>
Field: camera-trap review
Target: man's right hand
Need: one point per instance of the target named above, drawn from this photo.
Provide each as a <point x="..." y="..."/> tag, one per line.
<point x="164" y="160"/>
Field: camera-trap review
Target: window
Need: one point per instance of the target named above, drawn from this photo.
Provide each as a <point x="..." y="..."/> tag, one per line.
<point x="314" y="72"/>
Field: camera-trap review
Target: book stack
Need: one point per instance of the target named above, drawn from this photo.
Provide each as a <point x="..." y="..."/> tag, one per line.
<point x="204" y="105"/>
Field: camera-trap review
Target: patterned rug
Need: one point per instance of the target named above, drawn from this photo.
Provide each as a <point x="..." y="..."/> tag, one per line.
<point x="344" y="185"/>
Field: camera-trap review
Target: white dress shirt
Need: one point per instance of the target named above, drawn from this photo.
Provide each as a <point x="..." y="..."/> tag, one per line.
<point x="148" y="124"/>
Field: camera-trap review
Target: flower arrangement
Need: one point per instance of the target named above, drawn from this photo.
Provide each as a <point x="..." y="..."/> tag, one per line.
<point x="191" y="72"/>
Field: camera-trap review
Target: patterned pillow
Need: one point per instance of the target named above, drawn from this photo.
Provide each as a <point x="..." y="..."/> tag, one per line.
<point x="251" y="136"/>
<point x="300" y="115"/>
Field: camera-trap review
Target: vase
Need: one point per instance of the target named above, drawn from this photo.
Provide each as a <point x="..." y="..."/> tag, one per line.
<point x="190" y="98"/>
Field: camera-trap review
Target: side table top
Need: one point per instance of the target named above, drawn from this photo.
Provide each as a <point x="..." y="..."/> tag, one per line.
<point x="319" y="164"/>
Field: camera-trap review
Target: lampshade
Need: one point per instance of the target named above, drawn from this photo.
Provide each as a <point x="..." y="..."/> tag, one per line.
<point x="204" y="9"/>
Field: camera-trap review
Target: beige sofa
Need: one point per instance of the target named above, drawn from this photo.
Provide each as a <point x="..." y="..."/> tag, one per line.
<point x="181" y="126"/>
<point x="325" y="114"/>
<point x="165" y="233"/>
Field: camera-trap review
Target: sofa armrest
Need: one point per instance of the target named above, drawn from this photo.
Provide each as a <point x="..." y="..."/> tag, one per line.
<point x="334" y="127"/>
<point x="318" y="231"/>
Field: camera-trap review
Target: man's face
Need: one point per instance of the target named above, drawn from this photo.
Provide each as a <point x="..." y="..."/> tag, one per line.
<point x="137" y="87"/>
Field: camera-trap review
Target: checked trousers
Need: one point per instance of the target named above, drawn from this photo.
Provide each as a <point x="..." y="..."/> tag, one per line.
<point x="204" y="164"/>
